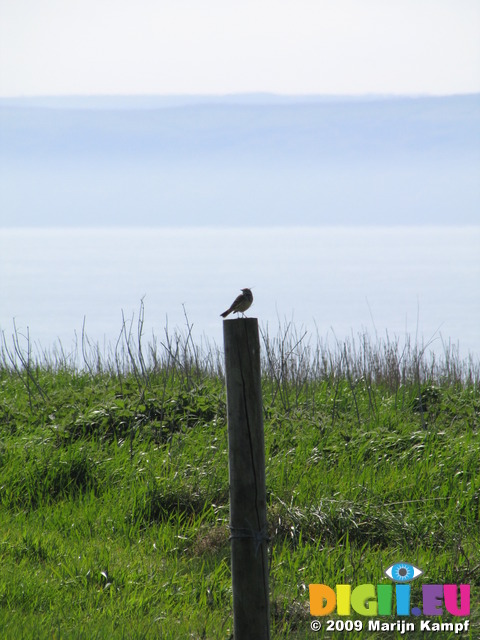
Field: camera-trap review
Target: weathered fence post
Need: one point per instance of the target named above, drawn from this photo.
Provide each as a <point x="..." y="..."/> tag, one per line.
<point x="246" y="452"/>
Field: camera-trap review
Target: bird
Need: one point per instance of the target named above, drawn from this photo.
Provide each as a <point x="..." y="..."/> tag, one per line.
<point x="240" y="304"/>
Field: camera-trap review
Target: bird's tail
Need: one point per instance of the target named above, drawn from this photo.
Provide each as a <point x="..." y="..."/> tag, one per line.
<point x="225" y="313"/>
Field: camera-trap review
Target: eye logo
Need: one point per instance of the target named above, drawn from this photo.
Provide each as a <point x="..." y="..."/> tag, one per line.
<point x="403" y="572"/>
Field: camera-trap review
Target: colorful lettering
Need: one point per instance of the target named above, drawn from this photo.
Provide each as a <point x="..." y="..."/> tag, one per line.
<point x="364" y="601"/>
<point x="373" y="600"/>
<point x="402" y="594"/>
<point x="322" y="599"/>
<point x="450" y="595"/>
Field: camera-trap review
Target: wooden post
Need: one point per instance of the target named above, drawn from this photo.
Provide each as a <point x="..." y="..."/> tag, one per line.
<point x="246" y="454"/>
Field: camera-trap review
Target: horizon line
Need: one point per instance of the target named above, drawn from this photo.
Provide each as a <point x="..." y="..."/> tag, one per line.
<point x="242" y="94"/>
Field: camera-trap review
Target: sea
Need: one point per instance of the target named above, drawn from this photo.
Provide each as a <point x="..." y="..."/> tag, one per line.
<point x="329" y="283"/>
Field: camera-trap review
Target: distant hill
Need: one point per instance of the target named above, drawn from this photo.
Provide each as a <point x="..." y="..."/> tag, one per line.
<point x="239" y="160"/>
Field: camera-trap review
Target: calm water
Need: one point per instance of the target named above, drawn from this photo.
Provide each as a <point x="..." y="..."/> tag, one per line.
<point x="418" y="280"/>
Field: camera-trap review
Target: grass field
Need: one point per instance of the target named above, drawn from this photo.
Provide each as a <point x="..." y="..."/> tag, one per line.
<point x="114" y="482"/>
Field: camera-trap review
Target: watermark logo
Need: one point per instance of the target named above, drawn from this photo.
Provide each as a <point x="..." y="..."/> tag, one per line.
<point x="391" y="599"/>
<point x="402" y="572"/>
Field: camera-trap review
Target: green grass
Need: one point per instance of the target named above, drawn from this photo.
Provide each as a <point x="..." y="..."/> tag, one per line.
<point x="114" y="483"/>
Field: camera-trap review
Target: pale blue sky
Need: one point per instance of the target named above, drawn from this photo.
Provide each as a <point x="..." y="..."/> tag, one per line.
<point x="222" y="46"/>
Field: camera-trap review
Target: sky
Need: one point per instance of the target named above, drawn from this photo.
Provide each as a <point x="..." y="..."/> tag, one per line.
<point x="109" y="47"/>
